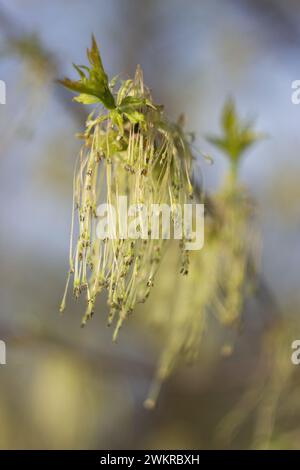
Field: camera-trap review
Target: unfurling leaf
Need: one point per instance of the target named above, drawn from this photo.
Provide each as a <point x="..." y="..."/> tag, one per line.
<point x="237" y="136"/>
<point x="93" y="85"/>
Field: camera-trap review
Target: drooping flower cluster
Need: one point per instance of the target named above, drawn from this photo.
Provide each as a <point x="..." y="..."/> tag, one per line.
<point x="129" y="150"/>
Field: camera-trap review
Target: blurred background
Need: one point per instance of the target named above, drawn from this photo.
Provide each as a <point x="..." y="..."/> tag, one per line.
<point x="64" y="387"/>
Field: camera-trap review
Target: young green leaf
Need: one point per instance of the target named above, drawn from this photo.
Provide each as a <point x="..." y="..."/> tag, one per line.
<point x="94" y="86"/>
<point x="237" y="136"/>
